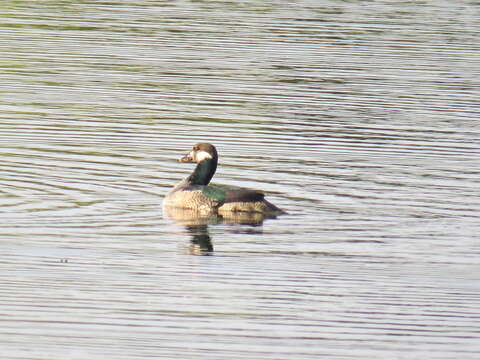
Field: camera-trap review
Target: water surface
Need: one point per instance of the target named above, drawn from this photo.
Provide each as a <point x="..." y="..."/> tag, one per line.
<point x="358" y="118"/>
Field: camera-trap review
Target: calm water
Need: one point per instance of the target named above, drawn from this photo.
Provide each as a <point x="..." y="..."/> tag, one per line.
<point x="361" y="119"/>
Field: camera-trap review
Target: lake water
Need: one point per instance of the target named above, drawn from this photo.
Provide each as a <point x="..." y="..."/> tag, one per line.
<point x="359" y="118"/>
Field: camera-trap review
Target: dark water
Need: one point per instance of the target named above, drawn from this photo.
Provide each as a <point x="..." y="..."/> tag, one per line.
<point x="359" y="118"/>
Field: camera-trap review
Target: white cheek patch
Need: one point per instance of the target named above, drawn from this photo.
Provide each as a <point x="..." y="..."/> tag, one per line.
<point x="202" y="155"/>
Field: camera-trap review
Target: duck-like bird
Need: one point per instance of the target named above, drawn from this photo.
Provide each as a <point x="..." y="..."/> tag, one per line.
<point x="195" y="193"/>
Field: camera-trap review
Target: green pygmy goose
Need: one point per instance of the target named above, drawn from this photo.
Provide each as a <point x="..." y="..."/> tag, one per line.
<point x="194" y="192"/>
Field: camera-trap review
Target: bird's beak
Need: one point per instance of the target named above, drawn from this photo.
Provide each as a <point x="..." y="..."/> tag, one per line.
<point x="187" y="158"/>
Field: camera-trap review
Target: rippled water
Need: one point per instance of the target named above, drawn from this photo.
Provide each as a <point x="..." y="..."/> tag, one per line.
<point x="361" y="119"/>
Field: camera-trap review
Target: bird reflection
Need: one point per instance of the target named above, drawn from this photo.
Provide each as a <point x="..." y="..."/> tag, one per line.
<point x="201" y="243"/>
<point x="196" y="223"/>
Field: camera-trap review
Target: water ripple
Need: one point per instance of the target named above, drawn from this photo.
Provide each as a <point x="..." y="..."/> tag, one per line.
<point x="359" y="119"/>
